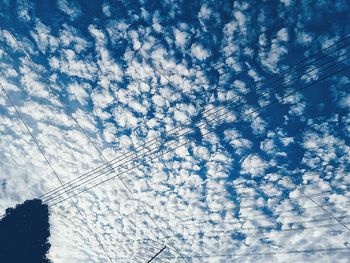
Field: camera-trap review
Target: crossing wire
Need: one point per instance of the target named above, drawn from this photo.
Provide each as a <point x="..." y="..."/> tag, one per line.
<point x="52" y="90"/>
<point x="249" y="233"/>
<point x="56" y="191"/>
<point x="54" y="172"/>
<point x="252" y="254"/>
<point x="146" y="155"/>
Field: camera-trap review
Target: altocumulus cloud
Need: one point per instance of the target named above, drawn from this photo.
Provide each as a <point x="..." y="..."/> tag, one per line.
<point x="131" y="72"/>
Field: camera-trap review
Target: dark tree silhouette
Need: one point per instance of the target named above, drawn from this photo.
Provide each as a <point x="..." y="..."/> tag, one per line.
<point x="24" y="233"/>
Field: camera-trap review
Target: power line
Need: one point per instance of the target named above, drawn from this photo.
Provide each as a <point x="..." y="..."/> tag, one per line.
<point x="287" y="252"/>
<point x="128" y="161"/>
<point x="240" y="220"/>
<point x="54" y="172"/>
<point x="240" y="117"/>
<point x="237" y="96"/>
<point x="126" y="156"/>
<point x="156" y="255"/>
<point x="281" y="197"/>
<point x="190" y="221"/>
<point x="253" y="205"/>
<point x="119" y="36"/>
<point x="251" y="232"/>
<point x="236" y="233"/>
<point x="205" y="134"/>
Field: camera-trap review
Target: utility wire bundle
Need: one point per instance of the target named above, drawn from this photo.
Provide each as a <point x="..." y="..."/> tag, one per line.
<point x="328" y="61"/>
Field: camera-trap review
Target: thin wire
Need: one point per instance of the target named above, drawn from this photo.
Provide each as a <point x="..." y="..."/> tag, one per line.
<point x="253" y="205"/>
<point x="270" y="78"/>
<point x="54" y="172"/>
<point x="72" y="189"/>
<point x="156" y="255"/>
<point x="125" y="156"/>
<point x="199" y="223"/>
<point x="259" y="231"/>
<point x="233" y="229"/>
<point x="90" y="140"/>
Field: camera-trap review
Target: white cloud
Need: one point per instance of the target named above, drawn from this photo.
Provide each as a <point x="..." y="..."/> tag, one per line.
<point x="199" y="52"/>
<point x="72" y="65"/>
<point x="43" y="38"/>
<point x="181" y="37"/>
<point x="69" y="36"/>
<point x="253" y="165"/>
<point x="69" y="8"/>
<point x="106" y="9"/>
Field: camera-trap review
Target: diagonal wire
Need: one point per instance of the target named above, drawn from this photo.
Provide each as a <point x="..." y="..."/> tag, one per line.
<point x="170" y="150"/>
<point x="247" y="231"/>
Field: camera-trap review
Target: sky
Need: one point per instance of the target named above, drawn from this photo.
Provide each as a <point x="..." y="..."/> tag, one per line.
<point x="217" y="129"/>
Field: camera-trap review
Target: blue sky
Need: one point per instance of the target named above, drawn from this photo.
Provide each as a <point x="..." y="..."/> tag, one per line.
<point x="232" y="141"/>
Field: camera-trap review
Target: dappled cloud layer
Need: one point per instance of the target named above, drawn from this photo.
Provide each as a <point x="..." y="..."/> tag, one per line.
<point x="224" y="144"/>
